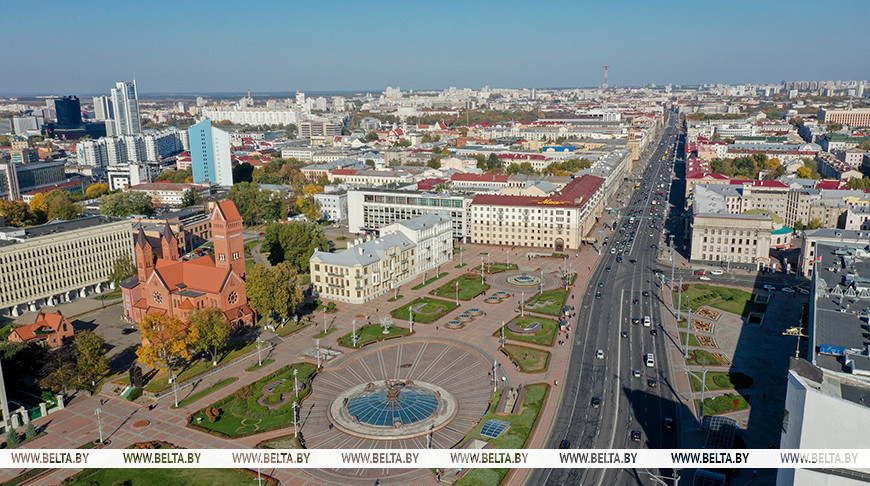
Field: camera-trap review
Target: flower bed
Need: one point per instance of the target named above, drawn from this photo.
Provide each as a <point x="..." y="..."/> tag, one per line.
<point x="707" y="341"/>
<point x="708" y="313"/>
<point x="702" y="326"/>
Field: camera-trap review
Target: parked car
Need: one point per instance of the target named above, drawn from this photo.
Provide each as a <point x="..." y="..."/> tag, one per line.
<point x="668" y="423"/>
<point x="599" y="354"/>
<point x="700" y="272"/>
<point x="635" y="435"/>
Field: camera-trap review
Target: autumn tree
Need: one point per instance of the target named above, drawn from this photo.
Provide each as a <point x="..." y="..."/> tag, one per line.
<point x="167" y="341"/>
<point x="213" y="328"/>
<point x="96" y="190"/>
<point x="39" y="207"/>
<point x="15" y="212"/>
<point x="190" y="197"/>
<point x="61" y="379"/>
<point x="804" y="173"/>
<point x="91" y="361"/>
<point x="122" y="269"/>
<point x="312" y="189"/>
<point x="814" y="224"/>
<point x="274" y="291"/>
<point x="124" y="204"/>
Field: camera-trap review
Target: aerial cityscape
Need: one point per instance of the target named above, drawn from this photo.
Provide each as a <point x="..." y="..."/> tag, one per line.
<point x="569" y="242"/>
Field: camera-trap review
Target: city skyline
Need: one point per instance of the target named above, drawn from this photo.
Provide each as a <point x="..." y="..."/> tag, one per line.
<point x="311" y="48"/>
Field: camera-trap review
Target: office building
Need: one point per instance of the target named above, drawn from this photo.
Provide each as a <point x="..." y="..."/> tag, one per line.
<point x="559" y="221"/>
<point x="24" y="155"/>
<point x="371" y="267"/>
<point x="372" y="209"/>
<point x="826" y="404"/>
<point x="168" y="193"/>
<point x="210" y="154"/>
<point x="125" y="104"/>
<point x="122" y="176"/>
<point x="53" y="262"/>
<point x="309" y="129"/>
<point x="9" y="188"/>
<point x="103" y="110"/>
<point x="333" y="205"/>
<point x="69" y="111"/>
<point x="856" y="117"/>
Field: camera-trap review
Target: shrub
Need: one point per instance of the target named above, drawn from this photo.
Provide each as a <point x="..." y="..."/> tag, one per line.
<point x="244" y="392"/>
<point x="134" y="394"/>
<point x="30" y="431"/>
<point x="12" y="438"/>
<point x="274" y="398"/>
<point x="213" y="413"/>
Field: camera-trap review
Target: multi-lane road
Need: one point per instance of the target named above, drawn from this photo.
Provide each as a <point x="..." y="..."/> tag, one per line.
<point x="623" y="287"/>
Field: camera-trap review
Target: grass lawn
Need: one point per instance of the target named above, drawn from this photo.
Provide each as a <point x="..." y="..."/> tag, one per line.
<point x="281" y="442"/>
<point x="700" y="357"/>
<point x="234" y="349"/>
<point x="554" y="309"/>
<point x="693" y="341"/>
<point x="5" y="331"/>
<point x="175" y="477"/>
<point x="252" y="244"/>
<point x="495" y="267"/>
<point x="393" y="299"/>
<point x="514" y="437"/>
<point x="114" y="294"/>
<point x="325" y="333"/>
<point x="546" y="336"/>
<point x="469" y="286"/>
<point x="420" y="286"/>
<point x="531" y="360"/>
<point x="289" y="327"/>
<point x="196" y="396"/>
<point x="258" y="366"/>
<point x="241" y="415"/>
<point x="731" y="300"/>
<point x="723" y="380"/>
<point x="371" y="333"/>
<point x="430" y="309"/>
<point x="723" y="404"/>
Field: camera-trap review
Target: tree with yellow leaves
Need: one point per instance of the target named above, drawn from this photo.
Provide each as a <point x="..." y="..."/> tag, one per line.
<point x="96" y="190"/>
<point x="167" y="341"/>
<point x="39" y="206"/>
<point x="312" y="189"/>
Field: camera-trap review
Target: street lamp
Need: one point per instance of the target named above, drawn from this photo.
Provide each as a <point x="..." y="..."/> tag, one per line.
<point x="175" y="388"/>
<point x="259" y="356"/>
<point x="703" y="387"/>
<point x="457" y="293"/>
<point x="688" y="334"/>
<point x="100" y="423"/>
<point x="295" y="422"/>
<point x="411" y="314"/>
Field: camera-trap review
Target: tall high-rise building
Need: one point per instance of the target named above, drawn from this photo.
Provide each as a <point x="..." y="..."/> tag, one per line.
<point x="103" y="108"/>
<point x="69" y="111"/>
<point x="210" y="154"/>
<point x="125" y="102"/>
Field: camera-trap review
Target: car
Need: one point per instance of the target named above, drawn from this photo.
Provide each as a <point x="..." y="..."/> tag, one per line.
<point x="128" y="330"/>
<point x="597" y="295"/>
<point x="596" y="402"/>
<point x="635" y="435"/>
<point x="700" y="272"/>
<point x="613" y="251"/>
<point x="716" y="272"/>
<point x="668" y="423"/>
<point x="607" y="269"/>
<point x="654" y="332"/>
<point x="625" y="334"/>
<point x="804" y="291"/>
<point x="647" y="322"/>
<point x="645" y="293"/>
<point x="565" y="444"/>
<point x="635" y="320"/>
<point x="650" y="360"/>
<point x="788" y="290"/>
<point x="769" y="288"/>
<point x="636" y="373"/>
<point x="599" y="354"/>
<point x="601" y="283"/>
<point x="635" y="301"/>
<point x="633" y="262"/>
<point x="651" y="382"/>
<point x="619" y="259"/>
<point x="702" y="277"/>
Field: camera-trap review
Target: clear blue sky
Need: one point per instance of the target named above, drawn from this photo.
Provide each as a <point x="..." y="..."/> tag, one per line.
<point x="80" y="47"/>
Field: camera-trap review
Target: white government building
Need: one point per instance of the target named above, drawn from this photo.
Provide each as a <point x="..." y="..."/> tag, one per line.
<point x="370" y="268"/>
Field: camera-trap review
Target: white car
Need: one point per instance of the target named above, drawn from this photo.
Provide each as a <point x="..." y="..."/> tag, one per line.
<point x="804" y="291"/>
<point x="636" y="373"/>
<point x="788" y="290"/>
<point x="704" y="277"/>
<point x="600" y="354"/>
<point x="716" y="272"/>
<point x="769" y="288"/>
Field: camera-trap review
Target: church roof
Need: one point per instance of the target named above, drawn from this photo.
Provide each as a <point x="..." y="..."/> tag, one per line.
<point x="193" y="275"/>
<point x="228" y="210"/>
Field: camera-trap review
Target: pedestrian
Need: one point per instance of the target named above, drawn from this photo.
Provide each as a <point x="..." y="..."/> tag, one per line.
<point x="436" y="327"/>
<point x="377" y="310"/>
<point x="556" y="382"/>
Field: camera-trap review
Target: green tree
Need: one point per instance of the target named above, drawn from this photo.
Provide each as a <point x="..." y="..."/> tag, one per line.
<point x="243" y="173"/>
<point x="15" y="212"/>
<point x="30" y="431"/>
<point x="91" y="361"/>
<point x="814" y="224"/>
<point x="13" y="438"/>
<point x="125" y="204"/>
<point x="834" y="127"/>
<point x="372" y="136"/>
<point x="287" y="292"/>
<point x="722" y="166"/>
<point x="370" y="162"/>
<point x="258" y="289"/>
<point x="403" y="143"/>
<point x="442" y="187"/>
<point x="61" y="206"/>
<point x="521" y="168"/>
<point x="863" y="183"/>
<point x="62" y="378"/>
<point x="190" y="197"/>
<point x="294" y="243"/>
<point x="122" y="269"/>
<point x="799" y="225"/>
<point x="177" y="176"/>
<point x="213" y="328"/>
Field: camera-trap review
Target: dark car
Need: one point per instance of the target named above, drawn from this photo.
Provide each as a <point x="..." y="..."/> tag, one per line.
<point x="597" y="295"/>
<point x="565" y="444"/>
<point x="625" y="334"/>
<point x="635" y="301"/>
<point x="645" y="293"/>
<point x="607" y="269"/>
<point x="632" y="261"/>
<point x="635" y="320"/>
<point x="601" y="283"/>
<point x="654" y="332"/>
<point x="635" y="435"/>
<point x="128" y="330"/>
<point x="651" y="382"/>
<point x="668" y="423"/>
<point x="619" y="259"/>
<point x="596" y="402"/>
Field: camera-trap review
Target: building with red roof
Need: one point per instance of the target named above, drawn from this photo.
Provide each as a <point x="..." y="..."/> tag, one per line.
<point x="50" y="329"/>
<point x="559" y="221"/>
<point x="479" y="181"/>
<point x="168" y="285"/>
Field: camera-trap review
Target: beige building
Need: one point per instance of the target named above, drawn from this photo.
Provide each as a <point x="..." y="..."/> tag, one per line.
<point x="370" y="268"/>
<point x="857" y="117"/>
<point x="52" y="263"/>
<point x="559" y="221"/>
<point x="742" y="239"/>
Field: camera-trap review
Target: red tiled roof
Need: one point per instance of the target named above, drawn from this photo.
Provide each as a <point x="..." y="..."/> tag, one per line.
<point x="575" y="193"/>
<point x="229" y="210"/>
<point x="195" y="276"/>
<point x="45" y="321"/>
<point x="828" y="184"/>
<point x="343" y="171"/>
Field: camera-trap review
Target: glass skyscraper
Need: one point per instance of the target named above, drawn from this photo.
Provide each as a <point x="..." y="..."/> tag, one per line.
<point x="125" y="103"/>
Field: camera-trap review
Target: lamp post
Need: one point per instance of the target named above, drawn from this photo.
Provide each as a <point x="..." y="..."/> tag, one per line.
<point x="411" y="314"/>
<point x="295" y="381"/>
<point x="703" y="379"/>
<point x="673" y="263"/>
<point x="457" y="293"/>
<point x="679" y="299"/>
<point x="542" y="281"/>
<point x="494" y="378"/>
<point x="295" y="422"/>
<point x="353" y="333"/>
<point x="259" y="356"/>
<point x="175" y="388"/>
<point x="661" y="479"/>
<point x="688" y="334"/>
<point x="318" y="354"/>
<point x="481" y="269"/>
<point x="99" y="423"/>
<point x="502" y="333"/>
<point x="522" y="301"/>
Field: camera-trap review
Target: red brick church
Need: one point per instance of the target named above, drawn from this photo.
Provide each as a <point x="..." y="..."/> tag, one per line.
<point x="169" y="285"/>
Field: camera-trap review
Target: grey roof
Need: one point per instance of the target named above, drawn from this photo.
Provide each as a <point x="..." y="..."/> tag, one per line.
<point x="710" y="198"/>
<point x="58" y="226"/>
<point x="424" y="221"/>
<point x="366" y="253"/>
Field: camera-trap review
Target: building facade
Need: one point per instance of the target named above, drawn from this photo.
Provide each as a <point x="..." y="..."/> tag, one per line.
<point x="372" y="209"/>
<point x="169" y="193"/>
<point x="560" y="221"/>
<point x="210" y="154"/>
<point x="740" y="240"/>
<point x="125" y="104"/>
<point x="333" y="205"/>
<point x="50" y="329"/>
<point x="370" y="267"/>
<point x="50" y="263"/>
